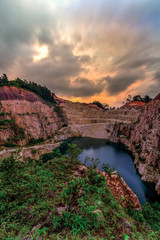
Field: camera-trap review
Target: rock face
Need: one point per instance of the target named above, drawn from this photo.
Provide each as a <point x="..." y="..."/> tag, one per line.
<point x="146" y="137"/>
<point x="143" y="139"/>
<point x="135" y="125"/>
<point x="81" y="113"/>
<point x="25" y="110"/>
<point x="24" y="115"/>
<point x="121" y="191"/>
<point x="117" y="185"/>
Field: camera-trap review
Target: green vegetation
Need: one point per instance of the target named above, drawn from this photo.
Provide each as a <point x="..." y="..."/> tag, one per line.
<point x="100" y="105"/>
<point x="150" y="214"/>
<point x="45" y="198"/>
<point x="107" y="168"/>
<point x="42" y="91"/>
<point x="18" y="131"/>
<point x="34" y="141"/>
<point x="6" y="121"/>
<point x="2" y="113"/>
<point x="138" y="98"/>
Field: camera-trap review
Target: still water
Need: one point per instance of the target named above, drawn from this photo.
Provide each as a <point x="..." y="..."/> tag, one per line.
<point x="121" y="161"/>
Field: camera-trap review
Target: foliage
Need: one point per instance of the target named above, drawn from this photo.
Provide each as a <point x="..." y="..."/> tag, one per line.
<point x="73" y="151"/>
<point x="47" y="197"/>
<point x="150" y="214"/>
<point x="100" y="105"/>
<point x="107" y="168"/>
<point x="42" y="91"/>
<point x="34" y="141"/>
<point x="2" y="113"/>
<point x="138" y="98"/>
<point x="18" y="131"/>
<point x="9" y="166"/>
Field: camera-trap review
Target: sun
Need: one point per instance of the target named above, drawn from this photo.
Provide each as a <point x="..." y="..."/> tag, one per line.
<point x="42" y="53"/>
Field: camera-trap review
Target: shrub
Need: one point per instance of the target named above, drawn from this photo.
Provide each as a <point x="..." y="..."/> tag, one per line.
<point x="9" y="166"/>
<point x="47" y="156"/>
<point x="73" y="151"/>
<point x="65" y="125"/>
<point x="10" y="144"/>
<point x="2" y="113"/>
<point x="34" y="141"/>
<point x="108" y="169"/>
<point x="150" y="214"/>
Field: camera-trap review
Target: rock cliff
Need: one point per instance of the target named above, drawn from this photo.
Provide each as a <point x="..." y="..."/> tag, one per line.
<point x="136" y="125"/>
<point x="24" y="115"/>
<point x="143" y="139"/>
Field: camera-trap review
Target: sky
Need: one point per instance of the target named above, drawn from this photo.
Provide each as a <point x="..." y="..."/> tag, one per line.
<point x="83" y="50"/>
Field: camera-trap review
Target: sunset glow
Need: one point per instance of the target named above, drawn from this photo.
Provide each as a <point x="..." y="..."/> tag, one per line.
<point x="43" y="53"/>
<point x="83" y="50"/>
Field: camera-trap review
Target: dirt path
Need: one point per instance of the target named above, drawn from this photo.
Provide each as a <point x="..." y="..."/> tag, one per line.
<point x="47" y="146"/>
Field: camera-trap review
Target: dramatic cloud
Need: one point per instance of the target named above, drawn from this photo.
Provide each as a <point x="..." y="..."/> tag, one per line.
<point x="72" y="45"/>
<point x="120" y="82"/>
<point x="157" y="76"/>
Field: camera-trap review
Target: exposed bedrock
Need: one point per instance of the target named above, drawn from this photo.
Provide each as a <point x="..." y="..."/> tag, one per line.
<point x="138" y="128"/>
<point x="24" y="115"/>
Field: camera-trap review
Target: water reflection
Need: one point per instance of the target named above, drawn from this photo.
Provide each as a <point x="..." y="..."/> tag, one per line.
<point x="121" y="161"/>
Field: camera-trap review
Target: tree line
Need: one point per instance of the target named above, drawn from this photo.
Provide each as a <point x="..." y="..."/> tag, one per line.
<point x="42" y="91"/>
<point x="138" y="98"/>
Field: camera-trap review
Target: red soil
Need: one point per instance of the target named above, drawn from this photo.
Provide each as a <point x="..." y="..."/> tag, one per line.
<point x="14" y="93"/>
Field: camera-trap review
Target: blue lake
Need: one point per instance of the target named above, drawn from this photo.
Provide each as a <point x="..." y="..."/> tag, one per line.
<point x="121" y="161"/>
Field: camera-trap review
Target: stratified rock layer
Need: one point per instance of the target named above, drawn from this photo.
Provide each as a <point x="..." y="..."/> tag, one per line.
<point x="28" y="111"/>
<point x="136" y="125"/>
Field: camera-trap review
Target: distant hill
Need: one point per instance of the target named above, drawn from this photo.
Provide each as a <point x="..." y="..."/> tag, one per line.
<point x="134" y="104"/>
<point x="41" y="91"/>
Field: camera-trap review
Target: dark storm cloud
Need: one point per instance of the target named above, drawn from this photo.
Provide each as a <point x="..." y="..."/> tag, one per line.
<point x="131" y="61"/>
<point x="58" y="78"/>
<point x="84" y="59"/>
<point x="83" y="87"/>
<point x="21" y="26"/>
<point x="157" y="76"/>
<point x="126" y="31"/>
<point x="120" y="82"/>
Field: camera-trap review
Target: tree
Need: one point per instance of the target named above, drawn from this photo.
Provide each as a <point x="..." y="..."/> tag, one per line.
<point x="137" y="98"/>
<point x="129" y="99"/>
<point x="100" y="105"/>
<point x="147" y="99"/>
<point x="4" y="77"/>
<point x="3" y="80"/>
<point x="106" y="106"/>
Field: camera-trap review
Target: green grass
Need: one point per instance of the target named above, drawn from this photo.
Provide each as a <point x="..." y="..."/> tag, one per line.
<point x="45" y="193"/>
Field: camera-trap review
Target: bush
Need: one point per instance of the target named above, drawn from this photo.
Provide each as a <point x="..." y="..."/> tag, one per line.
<point x="108" y="169"/>
<point x="9" y="166"/>
<point x="6" y="121"/>
<point x="10" y="144"/>
<point x="150" y="214"/>
<point x="81" y="214"/>
<point x="73" y="151"/>
<point x="2" y="113"/>
<point x="34" y="141"/>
